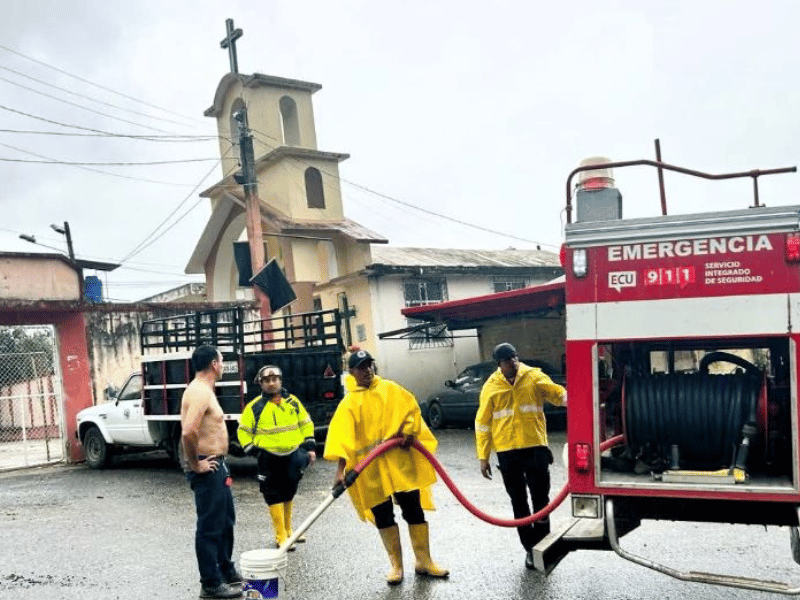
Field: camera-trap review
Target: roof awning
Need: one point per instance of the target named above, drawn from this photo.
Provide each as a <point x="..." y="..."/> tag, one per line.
<point x="463" y="314"/>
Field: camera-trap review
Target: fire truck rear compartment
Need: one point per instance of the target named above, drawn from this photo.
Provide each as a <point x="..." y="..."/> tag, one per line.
<point x="696" y="415"/>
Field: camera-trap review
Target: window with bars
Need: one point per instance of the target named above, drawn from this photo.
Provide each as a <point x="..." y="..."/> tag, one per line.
<point x="507" y="283"/>
<point x="421" y="292"/>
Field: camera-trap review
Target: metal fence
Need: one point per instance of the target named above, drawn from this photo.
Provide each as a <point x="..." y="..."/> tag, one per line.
<point x="31" y="425"/>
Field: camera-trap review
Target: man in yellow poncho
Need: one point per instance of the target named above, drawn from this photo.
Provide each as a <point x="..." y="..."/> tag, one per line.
<point x="375" y="410"/>
<point x="511" y="421"/>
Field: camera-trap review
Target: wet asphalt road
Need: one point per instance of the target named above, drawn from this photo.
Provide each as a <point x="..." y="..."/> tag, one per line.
<point x="127" y="533"/>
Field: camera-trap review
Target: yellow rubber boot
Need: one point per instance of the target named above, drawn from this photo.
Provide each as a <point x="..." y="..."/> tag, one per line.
<point x="391" y="541"/>
<point x="287" y="522"/>
<point x="420" y="543"/>
<point x="278" y="524"/>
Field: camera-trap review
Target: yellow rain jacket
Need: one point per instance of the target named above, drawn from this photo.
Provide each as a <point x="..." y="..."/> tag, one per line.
<point x="512" y="417"/>
<point x="368" y="416"/>
<point x="281" y="428"/>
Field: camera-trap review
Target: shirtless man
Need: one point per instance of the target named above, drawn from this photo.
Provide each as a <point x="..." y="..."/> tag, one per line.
<point x="205" y="443"/>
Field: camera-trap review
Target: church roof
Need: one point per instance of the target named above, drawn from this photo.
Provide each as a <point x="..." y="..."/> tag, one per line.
<point x="252" y="81"/>
<point x="222" y="210"/>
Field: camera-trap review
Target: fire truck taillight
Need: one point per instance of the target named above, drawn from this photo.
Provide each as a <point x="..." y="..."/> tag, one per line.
<point x="792" y="248"/>
<point x="579" y="263"/>
<point x="582" y="457"/>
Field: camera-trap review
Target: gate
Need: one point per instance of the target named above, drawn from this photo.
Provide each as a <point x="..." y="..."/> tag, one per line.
<point x="31" y="424"/>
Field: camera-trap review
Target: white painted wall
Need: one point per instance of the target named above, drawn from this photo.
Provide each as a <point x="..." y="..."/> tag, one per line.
<point x="422" y="370"/>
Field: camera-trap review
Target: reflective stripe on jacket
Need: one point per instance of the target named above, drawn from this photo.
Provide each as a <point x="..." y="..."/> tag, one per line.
<point x="281" y="428"/>
<point x="512" y="416"/>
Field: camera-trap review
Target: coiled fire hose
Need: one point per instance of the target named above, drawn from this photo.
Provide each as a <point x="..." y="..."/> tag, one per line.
<point x="352" y="475"/>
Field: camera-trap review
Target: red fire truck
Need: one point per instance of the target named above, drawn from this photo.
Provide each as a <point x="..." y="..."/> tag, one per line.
<point x="682" y="348"/>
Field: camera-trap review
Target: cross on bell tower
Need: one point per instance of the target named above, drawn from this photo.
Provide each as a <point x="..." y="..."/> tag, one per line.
<point x="230" y="43"/>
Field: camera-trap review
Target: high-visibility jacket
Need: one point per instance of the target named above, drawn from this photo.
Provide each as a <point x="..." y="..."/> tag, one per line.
<point x="282" y="427"/>
<point x="511" y="417"/>
<point x="368" y="416"/>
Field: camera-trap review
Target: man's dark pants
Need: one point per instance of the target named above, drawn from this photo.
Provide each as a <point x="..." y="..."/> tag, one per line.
<point x="216" y="517"/>
<point x="523" y="470"/>
<point x="279" y="476"/>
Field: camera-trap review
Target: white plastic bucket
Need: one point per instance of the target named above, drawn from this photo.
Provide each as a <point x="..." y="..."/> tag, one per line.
<point x="262" y="571"/>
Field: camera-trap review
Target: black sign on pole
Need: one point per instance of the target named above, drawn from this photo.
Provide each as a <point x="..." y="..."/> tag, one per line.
<point x="241" y="254"/>
<point x="274" y="284"/>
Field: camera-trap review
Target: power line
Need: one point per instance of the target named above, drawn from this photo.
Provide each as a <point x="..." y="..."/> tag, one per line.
<point x="79" y="127"/>
<point x="145" y="243"/>
<point x="97" y="85"/>
<point x="97" y="112"/>
<point x="149" y="138"/>
<point x="122" y="108"/>
<point x="103" y="164"/>
<point x="98" y="170"/>
<point x="415" y="207"/>
<point x="128" y="266"/>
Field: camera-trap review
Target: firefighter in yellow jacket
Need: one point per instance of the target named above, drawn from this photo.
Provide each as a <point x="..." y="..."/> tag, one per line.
<point x="374" y="410"/>
<point x="510" y="421"/>
<point x="276" y="428"/>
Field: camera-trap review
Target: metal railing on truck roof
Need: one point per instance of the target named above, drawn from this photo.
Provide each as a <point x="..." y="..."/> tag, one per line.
<point x="755" y="174"/>
<point x="231" y="330"/>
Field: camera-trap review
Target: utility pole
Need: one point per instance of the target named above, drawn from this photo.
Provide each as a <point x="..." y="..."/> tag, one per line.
<point x="252" y="206"/>
<point x="247" y="178"/>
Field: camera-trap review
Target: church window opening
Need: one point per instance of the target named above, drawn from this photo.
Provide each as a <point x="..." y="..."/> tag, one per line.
<point x="314" y="192"/>
<point x="290" y="122"/>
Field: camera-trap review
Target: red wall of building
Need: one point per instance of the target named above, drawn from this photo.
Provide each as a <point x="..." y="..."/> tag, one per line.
<point x="73" y="354"/>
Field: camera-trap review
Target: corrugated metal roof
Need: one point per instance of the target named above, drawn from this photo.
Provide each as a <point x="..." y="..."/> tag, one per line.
<point x="450" y="257"/>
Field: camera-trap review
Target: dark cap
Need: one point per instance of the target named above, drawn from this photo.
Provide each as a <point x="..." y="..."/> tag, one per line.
<point x="503" y="351"/>
<point x="356" y="358"/>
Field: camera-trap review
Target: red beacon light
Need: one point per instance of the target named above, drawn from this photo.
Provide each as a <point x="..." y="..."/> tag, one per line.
<point x="601" y="178"/>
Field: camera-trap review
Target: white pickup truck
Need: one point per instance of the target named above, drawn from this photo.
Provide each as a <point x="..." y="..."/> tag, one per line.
<point x="116" y="426"/>
<point x="145" y="413"/>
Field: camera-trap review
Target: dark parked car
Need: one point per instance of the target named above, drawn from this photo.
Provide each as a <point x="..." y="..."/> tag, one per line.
<point x="457" y="403"/>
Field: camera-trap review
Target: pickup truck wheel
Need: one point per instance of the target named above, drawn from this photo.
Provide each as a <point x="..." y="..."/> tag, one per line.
<point x="95" y="448"/>
<point x="435" y="416"/>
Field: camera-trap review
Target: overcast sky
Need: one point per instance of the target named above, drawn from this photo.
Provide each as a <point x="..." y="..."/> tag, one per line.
<point x="472" y="110"/>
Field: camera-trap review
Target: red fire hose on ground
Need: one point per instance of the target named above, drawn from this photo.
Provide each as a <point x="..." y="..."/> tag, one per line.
<point x="351" y="476"/>
<point x="538" y="516"/>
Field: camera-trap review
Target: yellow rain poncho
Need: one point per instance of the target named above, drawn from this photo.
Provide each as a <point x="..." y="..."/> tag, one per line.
<point x="368" y="416"/>
<point x="511" y="417"/>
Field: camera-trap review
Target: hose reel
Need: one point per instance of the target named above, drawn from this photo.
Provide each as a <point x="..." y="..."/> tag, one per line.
<point x="694" y="420"/>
